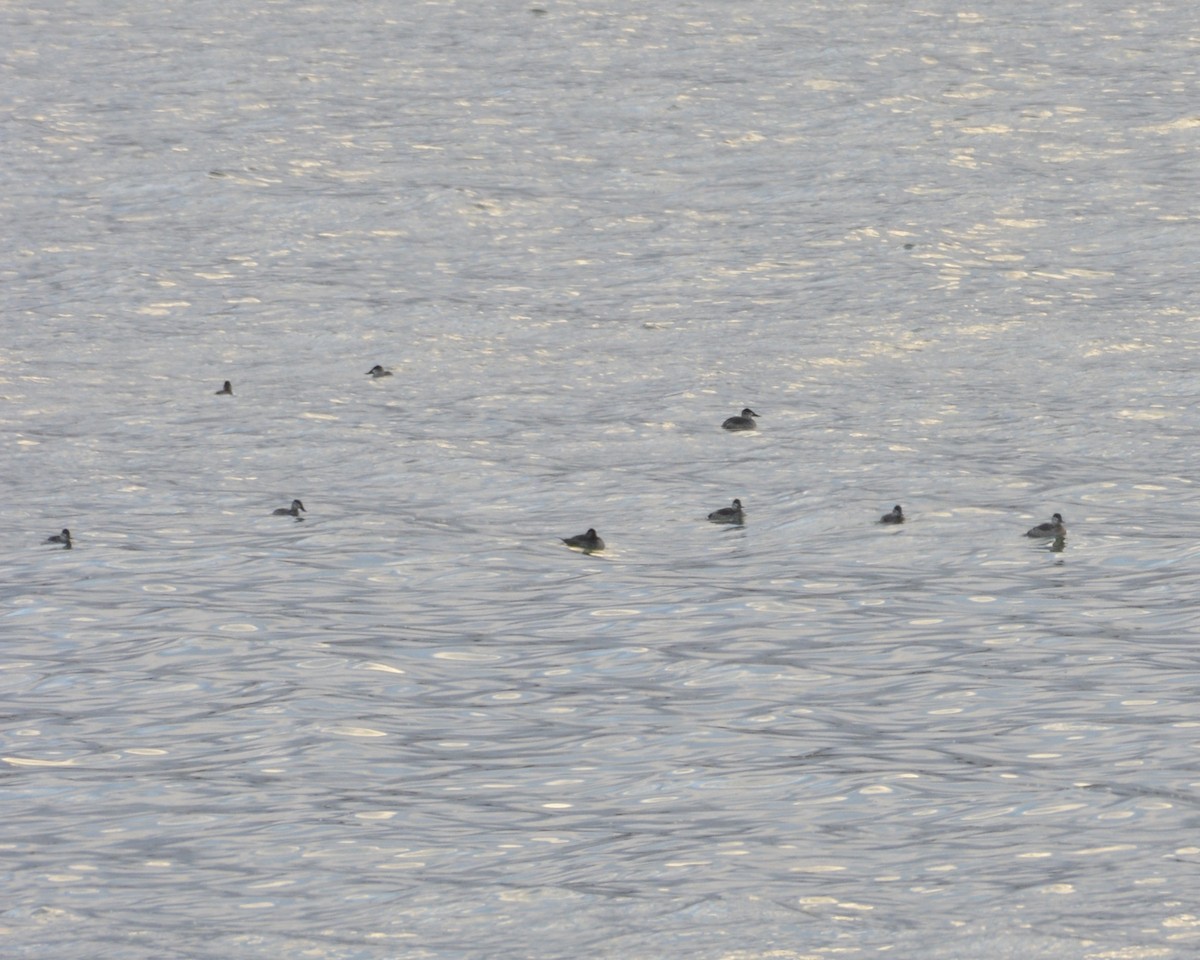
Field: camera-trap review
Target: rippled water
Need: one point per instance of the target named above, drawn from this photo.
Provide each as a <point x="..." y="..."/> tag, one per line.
<point x="945" y="252"/>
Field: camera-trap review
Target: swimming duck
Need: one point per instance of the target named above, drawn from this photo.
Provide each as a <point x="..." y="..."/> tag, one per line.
<point x="377" y="371"/>
<point x="895" y="516"/>
<point x="745" y="421"/>
<point x="226" y="390"/>
<point x="64" y="538"/>
<point x="1054" y="528"/>
<point x="292" y="511"/>
<point x="731" y="514"/>
<point x="587" y="542"/>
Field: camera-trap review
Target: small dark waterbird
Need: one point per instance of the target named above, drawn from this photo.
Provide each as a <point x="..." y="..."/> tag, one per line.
<point x="1054" y="528"/>
<point x="64" y="538"/>
<point x="730" y="514"/>
<point x="744" y="421"/>
<point x="587" y="542"/>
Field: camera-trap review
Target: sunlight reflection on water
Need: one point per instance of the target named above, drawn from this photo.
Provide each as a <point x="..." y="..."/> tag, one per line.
<point x="414" y="722"/>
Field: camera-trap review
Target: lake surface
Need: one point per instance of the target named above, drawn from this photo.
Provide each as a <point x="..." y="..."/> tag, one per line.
<point x="947" y="253"/>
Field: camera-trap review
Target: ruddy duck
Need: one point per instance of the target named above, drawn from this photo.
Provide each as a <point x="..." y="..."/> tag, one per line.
<point x="587" y="542"/>
<point x="1054" y="528"/>
<point x="743" y="422"/>
<point x="64" y="538"/>
<point x="377" y="371"/>
<point x="731" y="514"/>
<point x="226" y="390"/>
<point x="896" y="516"/>
<point x="292" y="511"/>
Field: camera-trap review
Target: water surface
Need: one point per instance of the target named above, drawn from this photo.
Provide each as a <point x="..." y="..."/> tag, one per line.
<point x="944" y="252"/>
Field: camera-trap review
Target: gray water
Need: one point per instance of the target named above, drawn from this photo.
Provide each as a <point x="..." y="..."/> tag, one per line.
<point x="948" y="254"/>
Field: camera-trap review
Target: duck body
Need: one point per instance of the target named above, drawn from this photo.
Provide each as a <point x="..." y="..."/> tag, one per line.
<point x="1054" y="528"/>
<point x="586" y="542"/>
<point x="896" y="515"/>
<point x="226" y="391"/>
<point x="292" y="511"/>
<point x="64" y="538"/>
<point x="731" y="514"/>
<point x="377" y="371"/>
<point x="744" y="421"/>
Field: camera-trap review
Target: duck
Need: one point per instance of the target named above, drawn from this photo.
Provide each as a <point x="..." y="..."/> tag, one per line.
<point x="377" y="371"/>
<point x="226" y="390"/>
<point x="896" y="515"/>
<point x="1053" y="528"/>
<point x="64" y="538"/>
<point x="732" y="514"/>
<point x="292" y="511"/>
<point x="744" y="421"/>
<point x="587" y="542"/>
